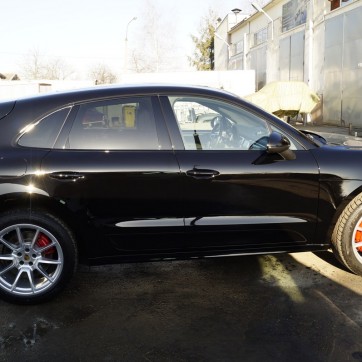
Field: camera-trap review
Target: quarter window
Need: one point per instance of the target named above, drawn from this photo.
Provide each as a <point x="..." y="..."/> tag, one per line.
<point x="122" y="124"/>
<point x="44" y="133"/>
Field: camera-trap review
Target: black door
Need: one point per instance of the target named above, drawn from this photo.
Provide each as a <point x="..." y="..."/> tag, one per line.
<point x="235" y="196"/>
<point x="114" y="169"/>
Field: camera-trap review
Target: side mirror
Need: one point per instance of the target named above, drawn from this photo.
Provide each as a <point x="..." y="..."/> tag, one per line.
<point x="277" y="143"/>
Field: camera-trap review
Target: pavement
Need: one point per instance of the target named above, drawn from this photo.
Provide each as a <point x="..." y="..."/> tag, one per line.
<point x="334" y="134"/>
<point x="290" y="307"/>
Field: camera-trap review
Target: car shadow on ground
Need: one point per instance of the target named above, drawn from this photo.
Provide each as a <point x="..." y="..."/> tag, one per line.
<point x="329" y="258"/>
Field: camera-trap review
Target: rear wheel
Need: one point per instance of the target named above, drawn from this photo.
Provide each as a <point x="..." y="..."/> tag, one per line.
<point x="38" y="256"/>
<point x="347" y="236"/>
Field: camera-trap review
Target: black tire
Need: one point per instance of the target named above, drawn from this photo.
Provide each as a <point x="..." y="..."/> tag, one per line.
<point x="38" y="256"/>
<point x="347" y="233"/>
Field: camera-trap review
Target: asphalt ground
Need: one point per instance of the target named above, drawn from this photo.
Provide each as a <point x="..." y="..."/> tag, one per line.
<point x="291" y="307"/>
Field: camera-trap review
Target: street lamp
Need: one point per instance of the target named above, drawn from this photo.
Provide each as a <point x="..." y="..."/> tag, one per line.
<point x="260" y="10"/>
<point x="126" y="44"/>
<point x="236" y="11"/>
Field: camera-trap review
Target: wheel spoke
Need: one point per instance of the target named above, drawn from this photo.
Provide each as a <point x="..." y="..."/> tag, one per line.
<point x="5" y="270"/>
<point x="46" y="247"/>
<point x="49" y="261"/>
<point x="31" y="280"/>
<point x="35" y="238"/>
<point x="358" y="245"/>
<point x="16" y="280"/>
<point x="359" y="226"/>
<point x="6" y="257"/>
<point x="45" y="275"/>
<point x="20" y="236"/>
<point x="8" y="245"/>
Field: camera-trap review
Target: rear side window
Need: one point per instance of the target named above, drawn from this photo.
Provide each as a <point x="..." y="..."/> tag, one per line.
<point x="122" y="124"/>
<point x="44" y="133"/>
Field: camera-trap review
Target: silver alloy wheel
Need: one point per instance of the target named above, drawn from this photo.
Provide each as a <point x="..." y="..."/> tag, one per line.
<point x="31" y="259"/>
<point x="357" y="240"/>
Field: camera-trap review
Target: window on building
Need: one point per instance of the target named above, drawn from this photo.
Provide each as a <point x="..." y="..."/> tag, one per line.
<point x="335" y="4"/>
<point x="261" y="36"/>
<point x="237" y="48"/>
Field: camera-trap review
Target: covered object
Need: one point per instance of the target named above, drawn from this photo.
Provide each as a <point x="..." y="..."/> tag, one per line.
<point x="285" y="98"/>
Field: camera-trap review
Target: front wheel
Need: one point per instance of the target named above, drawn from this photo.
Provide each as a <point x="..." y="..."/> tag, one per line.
<point x="347" y="236"/>
<point x="38" y="256"/>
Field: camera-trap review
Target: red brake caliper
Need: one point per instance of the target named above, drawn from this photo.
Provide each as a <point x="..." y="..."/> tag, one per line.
<point x="43" y="241"/>
<point x="358" y="237"/>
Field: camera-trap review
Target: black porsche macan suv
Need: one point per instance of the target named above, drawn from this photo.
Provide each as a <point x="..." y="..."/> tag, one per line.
<point x="129" y="173"/>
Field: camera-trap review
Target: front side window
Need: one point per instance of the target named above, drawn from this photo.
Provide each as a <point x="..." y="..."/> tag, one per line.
<point x="210" y="124"/>
<point x="122" y="124"/>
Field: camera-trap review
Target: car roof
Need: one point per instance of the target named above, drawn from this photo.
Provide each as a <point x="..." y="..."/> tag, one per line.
<point x="105" y="91"/>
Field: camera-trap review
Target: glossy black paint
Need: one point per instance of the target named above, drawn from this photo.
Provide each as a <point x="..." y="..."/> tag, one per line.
<point x="173" y="202"/>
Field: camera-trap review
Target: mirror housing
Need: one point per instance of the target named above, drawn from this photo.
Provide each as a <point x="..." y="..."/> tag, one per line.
<point x="277" y="143"/>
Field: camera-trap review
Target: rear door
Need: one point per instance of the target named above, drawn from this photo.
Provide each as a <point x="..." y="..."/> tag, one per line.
<point x="114" y="168"/>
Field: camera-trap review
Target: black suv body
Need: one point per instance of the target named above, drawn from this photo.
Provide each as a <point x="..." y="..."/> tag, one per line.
<point x="152" y="172"/>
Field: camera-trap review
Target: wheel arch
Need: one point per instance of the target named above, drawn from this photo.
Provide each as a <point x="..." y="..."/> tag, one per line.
<point x="41" y="203"/>
<point x="340" y="208"/>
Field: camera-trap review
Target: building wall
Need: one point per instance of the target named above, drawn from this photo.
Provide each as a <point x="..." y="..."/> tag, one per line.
<point x="17" y="89"/>
<point x="321" y="47"/>
<point x="222" y="49"/>
<point x="343" y="67"/>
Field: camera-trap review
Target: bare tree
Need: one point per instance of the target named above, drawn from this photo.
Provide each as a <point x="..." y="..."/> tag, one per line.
<point x="102" y="74"/>
<point x="153" y="45"/>
<point x="57" y="69"/>
<point x="33" y="67"/>
<point x="36" y="66"/>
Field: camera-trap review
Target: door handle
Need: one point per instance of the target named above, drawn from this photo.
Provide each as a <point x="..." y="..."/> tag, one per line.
<point x="66" y="176"/>
<point x="202" y="173"/>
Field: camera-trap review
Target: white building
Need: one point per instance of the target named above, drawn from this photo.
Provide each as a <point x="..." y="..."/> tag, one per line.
<point x="315" y="41"/>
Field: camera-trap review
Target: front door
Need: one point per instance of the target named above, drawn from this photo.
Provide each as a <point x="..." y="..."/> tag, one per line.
<point x="235" y="196"/>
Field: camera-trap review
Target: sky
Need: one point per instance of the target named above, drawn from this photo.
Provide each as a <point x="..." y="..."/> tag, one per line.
<point x="84" y="33"/>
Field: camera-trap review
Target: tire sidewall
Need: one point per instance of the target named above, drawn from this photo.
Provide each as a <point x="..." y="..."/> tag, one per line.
<point x="347" y="250"/>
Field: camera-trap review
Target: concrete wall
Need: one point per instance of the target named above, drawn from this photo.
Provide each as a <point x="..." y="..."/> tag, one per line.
<point x="18" y="88"/>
